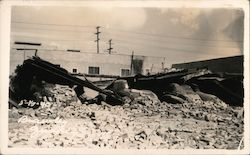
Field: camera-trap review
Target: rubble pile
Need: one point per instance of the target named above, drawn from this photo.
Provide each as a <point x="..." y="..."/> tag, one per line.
<point x="62" y="120"/>
<point x="175" y="110"/>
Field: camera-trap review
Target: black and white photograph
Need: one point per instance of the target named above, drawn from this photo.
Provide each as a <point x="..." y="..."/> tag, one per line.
<point x="127" y="77"/>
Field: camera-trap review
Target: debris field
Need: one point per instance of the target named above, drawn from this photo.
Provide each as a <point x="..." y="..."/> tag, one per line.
<point x="62" y="120"/>
<point x="195" y="109"/>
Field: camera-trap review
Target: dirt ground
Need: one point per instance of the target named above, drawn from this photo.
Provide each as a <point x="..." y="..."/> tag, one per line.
<point x="145" y="124"/>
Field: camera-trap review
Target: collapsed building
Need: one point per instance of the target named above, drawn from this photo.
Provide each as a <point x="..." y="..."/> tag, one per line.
<point x="173" y="86"/>
<point x="183" y="108"/>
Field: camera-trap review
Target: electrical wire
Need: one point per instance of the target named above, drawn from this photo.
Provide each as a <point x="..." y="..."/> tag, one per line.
<point x="134" y="32"/>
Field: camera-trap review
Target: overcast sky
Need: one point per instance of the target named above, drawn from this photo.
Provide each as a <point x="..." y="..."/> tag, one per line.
<point x="179" y="34"/>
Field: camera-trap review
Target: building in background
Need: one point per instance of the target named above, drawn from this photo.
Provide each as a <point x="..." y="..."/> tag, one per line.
<point x="77" y="62"/>
<point x="232" y="64"/>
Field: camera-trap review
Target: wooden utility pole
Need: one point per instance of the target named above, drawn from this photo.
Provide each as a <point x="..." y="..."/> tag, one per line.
<point x="97" y="38"/>
<point x="110" y="46"/>
<point x="131" y="65"/>
<point x="35" y="52"/>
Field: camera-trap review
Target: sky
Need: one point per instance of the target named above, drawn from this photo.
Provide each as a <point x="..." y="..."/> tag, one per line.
<point x="179" y="34"/>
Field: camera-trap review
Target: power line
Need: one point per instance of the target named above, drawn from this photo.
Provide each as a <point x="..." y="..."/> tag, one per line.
<point x="138" y="51"/>
<point x="152" y="42"/>
<point x="138" y="44"/>
<point x="81" y="39"/>
<point x="142" y="51"/>
<point x="157" y="43"/>
<point x="167" y="48"/>
<point x="158" y="47"/>
<point x="194" y="43"/>
<point x="136" y="32"/>
<point x="44" y="29"/>
<point x="30" y="23"/>
<point x="170" y="36"/>
<point x="162" y="47"/>
<point x="122" y="41"/>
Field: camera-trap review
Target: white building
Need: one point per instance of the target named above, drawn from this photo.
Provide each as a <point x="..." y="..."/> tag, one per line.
<point x="90" y="63"/>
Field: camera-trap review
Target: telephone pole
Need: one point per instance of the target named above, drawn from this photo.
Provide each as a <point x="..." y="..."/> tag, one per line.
<point x="131" y="65"/>
<point x="110" y="48"/>
<point x="97" y="38"/>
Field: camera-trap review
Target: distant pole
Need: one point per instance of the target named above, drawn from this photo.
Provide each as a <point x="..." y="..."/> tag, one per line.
<point x="151" y="70"/>
<point x="24" y="55"/>
<point x="110" y="46"/>
<point x="163" y="64"/>
<point x="131" y="65"/>
<point x="35" y="52"/>
<point x="97" y="38"/>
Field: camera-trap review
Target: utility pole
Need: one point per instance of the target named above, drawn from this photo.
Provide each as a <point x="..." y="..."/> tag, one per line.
<point x="131" y="65"/>
<point x="97" y="38"/>
<point x="110" y="46"/>
<point x="35" y="52"/>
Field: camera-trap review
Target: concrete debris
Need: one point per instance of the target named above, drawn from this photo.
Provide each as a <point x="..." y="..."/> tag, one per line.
<point x="146" y="123"/>
<point x="196" y="74"/>
<point x="173" y="99"/>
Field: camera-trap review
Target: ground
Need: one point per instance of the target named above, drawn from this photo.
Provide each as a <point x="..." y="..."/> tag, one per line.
<point x="145" y="124"/>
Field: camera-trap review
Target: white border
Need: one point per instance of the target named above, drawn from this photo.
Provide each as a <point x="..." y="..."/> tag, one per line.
<point x="5" y="14"/>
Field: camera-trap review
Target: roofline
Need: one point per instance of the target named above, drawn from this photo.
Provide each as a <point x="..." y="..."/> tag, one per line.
<point x="209" y="59"/>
